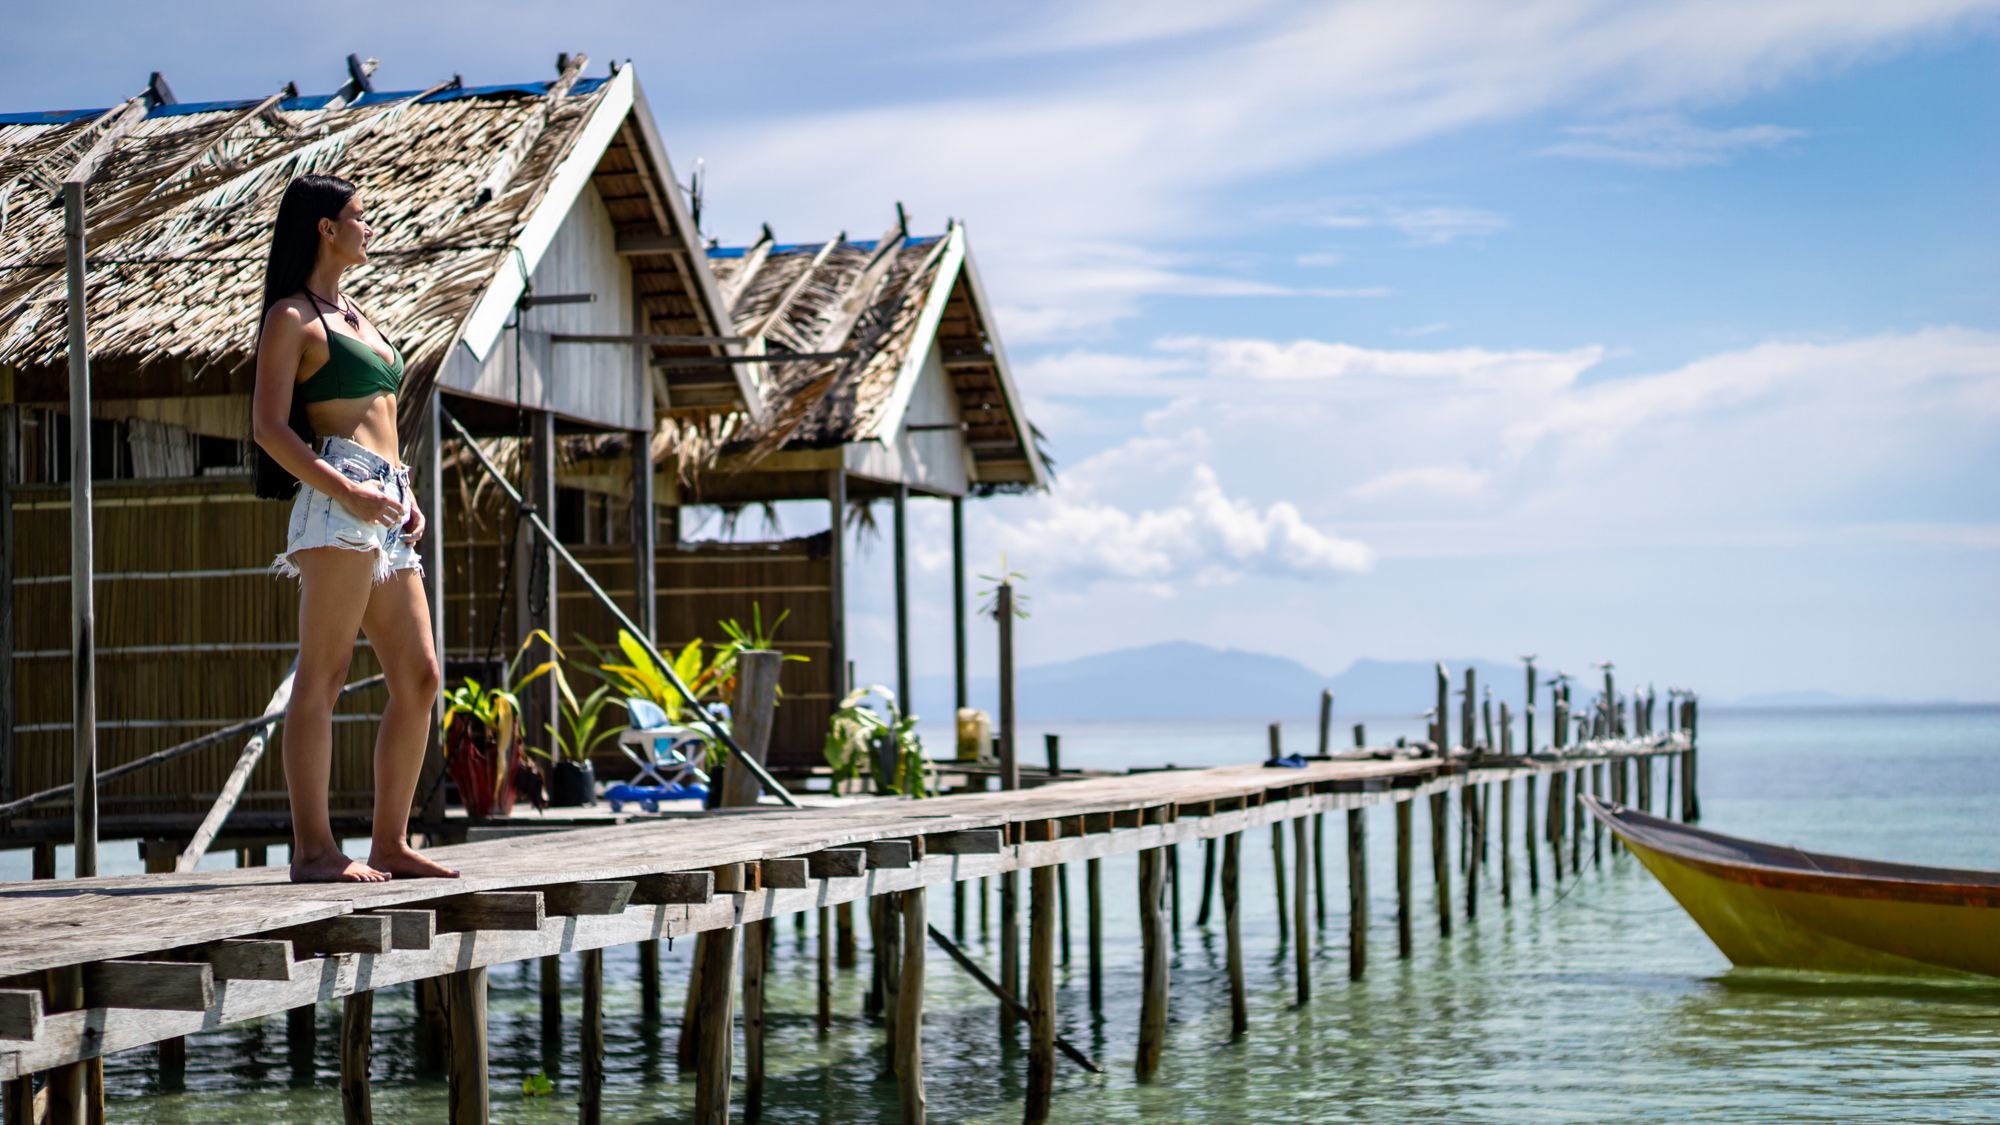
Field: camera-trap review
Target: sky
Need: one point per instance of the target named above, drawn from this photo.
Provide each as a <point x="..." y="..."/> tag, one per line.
<point x="1667" y="333"/>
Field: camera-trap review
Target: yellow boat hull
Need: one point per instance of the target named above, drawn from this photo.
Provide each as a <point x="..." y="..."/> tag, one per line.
<point x="1767" y="907"/>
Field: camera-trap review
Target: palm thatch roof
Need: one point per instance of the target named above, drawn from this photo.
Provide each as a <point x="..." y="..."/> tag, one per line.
<point x="464" y="187"/>
<point x="891" y="304"/>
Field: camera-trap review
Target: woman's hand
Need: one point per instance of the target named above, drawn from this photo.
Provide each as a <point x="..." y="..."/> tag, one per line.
<point x="367" y="502"/>
<point x="413" y="527"/>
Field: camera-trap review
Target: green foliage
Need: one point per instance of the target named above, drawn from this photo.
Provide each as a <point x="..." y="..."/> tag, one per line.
<point x="537" y="1085"/>
<point x="888" y="749"/>
<point x="495" y="708"/>
<point x="639" y="677"/>
<point x="1006" y="578"/>
<point x="580" y="736"/>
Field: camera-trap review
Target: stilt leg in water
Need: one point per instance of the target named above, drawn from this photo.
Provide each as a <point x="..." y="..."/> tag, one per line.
<point x="1441" y="858"/>
<point x="1357" y="893"/>
<point x="1405" y="877"/>
<point x="1041" y="993"/>
<point x="910" y="1006"/>
<point x="357" y="1022"/>
<point x="1153" y="942"/>
<point x="468" y="1097"/>
<point x="1094" y="916"/>
<point x="1232" y="924"/>
<point x="590" y="1039"/>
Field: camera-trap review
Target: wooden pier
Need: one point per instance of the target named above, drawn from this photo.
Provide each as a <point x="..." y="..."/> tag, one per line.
<point x="94" y="966"/>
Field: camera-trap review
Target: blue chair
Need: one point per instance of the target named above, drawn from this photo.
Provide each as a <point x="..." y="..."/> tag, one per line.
<point x="664" y="751"/>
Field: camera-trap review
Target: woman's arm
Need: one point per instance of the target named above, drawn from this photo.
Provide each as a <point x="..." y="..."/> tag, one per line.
<point x="278" y="353"/>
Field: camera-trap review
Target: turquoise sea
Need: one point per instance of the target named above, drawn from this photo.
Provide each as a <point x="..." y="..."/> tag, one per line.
<point x="1599" y="1003"/>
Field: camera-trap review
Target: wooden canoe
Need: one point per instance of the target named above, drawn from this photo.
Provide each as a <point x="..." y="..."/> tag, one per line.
<point x="1768" y="906"/>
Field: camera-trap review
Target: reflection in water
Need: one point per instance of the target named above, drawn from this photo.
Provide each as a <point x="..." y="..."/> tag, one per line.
<point x="1605" y="1003"/>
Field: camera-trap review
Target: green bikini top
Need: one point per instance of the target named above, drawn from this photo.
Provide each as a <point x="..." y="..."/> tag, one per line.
<point x="351" y="370"/>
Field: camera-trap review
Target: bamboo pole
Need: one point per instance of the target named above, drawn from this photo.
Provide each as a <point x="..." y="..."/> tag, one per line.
<point x="1153" y="943"/>
<point x="1357" y="893"/>
<point x="910" y="1010"/>
<point x="1301" y="949"/>
<point x="239" y="775"/>
<point x="468" y="1094"/>
<point x="843" y="949"/>
<point x="1041" y="993"/>
<point x="986" y="981"/>
<point x="1232" y="926"/>
<point x="590" y="1040"/>
<point x="1405" y="882"/>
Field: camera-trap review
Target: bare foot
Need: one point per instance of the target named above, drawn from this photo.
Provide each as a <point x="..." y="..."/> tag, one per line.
<point x="333" y="867"/>
<point x="402" y="861"/>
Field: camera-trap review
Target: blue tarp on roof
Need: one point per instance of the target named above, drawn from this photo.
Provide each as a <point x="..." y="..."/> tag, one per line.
<point x="310" y="101"/>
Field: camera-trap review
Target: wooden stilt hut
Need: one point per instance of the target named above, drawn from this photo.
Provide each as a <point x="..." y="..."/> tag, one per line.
<point x="509" y="220"/>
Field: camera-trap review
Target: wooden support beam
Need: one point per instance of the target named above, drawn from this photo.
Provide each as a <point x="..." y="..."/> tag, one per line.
<point x="1232" y="927"/>
<point x="850" y="863"/>
<point x="1506" y="842"/>
<point x="250" y="959"/>
<point x="674" y="888"/>
<point x="1441" y="858"/>
<point x="910" y="1007"/>
<point x="468" y="1094"/>
<point x="884" y="853"/>
<point x="410" y="929"/>
<point x="301" y="1041"/>
<point x="157" y="986"/>
<point x="490" y="910"/>
<point x="1597" y="826"/>
<point x="20" y="1013"/>
<point x="1357" y="893"/>
<point x="969" y="841"/>
<point x="756" y="943"/>
<point x="1278" y="881"/>
<point x="595" y="898"/>
<point x="649" y="981"/>
<point x="590" y="1040"/>
<point x="357" y="1020"/>
<point x="1153" y="942"/>
<point x="1207" y="881"/>
<point x="1469" y="832"/>
<point x="1553" y="823"/>
<point x="1302" y="949"/>
<point x="714" y="1030"/>
<point x="1529" y="844"/>
<point x="1093" y="876"/>
<point x="1041" y="992"/>
<point x="1010" y="949"/>
<point x="344" y="933"/>
<point x="783" y="874"/>
<point x="1319" y="861"/>
<point x="1405" y="878"/>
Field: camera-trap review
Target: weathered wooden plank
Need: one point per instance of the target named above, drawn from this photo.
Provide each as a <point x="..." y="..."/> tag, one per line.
<point x="410" y="929"/>
<point x="172" y="986"/>
<point x="568" y="900"/>
<point x="674" y="888"/>
<point x="783" y="874"/>
<point x="349" y="933"/>
<point x="491" y="910"/>
<point x="250" y="959"/>
<point x="890" y="853"/>
<point x="20" y="1013"/>
<point x="976" y="841"/>
<point x="846" y="863"/>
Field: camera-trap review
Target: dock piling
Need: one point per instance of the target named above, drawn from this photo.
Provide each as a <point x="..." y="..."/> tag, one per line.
<point x="1094" y="923"/>
<point x="714" y="1031"/>
<point x="754" y="944"/>
<point x="1357" y="893"/>
<point x="590" y="1040"/>
<point x="910" y="1006"/>
<point x="1404" y="880"/>
<point x="1319" y="869"/>
<point x="1207" y="881"/>
<point x="649" y="981"/>
<point x="1441" y="859"/>
<point x="1530" y="846"/>
<point x="1470" y="832"/>
<point x="1041" y="993"/>
<point x="823" y="1015"/>
<point x="1232" y="927"/>
<point x="1506" y="842"/>
<point x="1301" y="949"/>
<point x="1278" y="881"/>
<point x="357" y="1018"/>
<point x="468" y="1096"/>
<point x="1153" y="942"/>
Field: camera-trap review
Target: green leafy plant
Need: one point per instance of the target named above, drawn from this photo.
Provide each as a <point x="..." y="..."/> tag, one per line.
<point x="537" y="1085"/>
<point x="498" y="709"/>
<point x="755" y="637"/>
<point x="583" y="727"/>
<point x="888" y="749"/>
<point x="640" y="677"/>
<point x="1009" y="578"/>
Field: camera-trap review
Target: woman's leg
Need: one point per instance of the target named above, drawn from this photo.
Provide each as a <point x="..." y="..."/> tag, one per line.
<point x="398" y="624"/>
<point x="333" y="587"/>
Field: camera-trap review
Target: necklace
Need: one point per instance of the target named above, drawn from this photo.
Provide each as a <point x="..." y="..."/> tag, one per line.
<point x="347" y="314"/>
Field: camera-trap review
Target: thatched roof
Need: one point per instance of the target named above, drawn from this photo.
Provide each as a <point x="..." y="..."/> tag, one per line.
<point x="465" y="188"/>
<point x="890" y="302"/>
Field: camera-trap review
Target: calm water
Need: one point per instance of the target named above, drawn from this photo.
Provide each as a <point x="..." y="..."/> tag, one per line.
<point x="1603" y="1003"/>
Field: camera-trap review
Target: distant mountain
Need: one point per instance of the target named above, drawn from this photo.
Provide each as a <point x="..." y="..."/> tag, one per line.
<point x="1184" y="680"/>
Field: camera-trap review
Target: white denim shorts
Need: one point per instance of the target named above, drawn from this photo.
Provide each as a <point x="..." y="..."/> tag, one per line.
<point x="318" y="520"/>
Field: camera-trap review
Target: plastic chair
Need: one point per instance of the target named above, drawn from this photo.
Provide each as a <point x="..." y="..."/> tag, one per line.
<point x="655" y="745"/>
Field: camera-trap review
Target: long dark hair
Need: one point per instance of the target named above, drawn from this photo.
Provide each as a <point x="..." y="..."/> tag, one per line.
<point x="294" y="253"/>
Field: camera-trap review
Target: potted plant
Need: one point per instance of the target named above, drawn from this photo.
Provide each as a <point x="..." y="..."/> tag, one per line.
<point x="887" y="748"/>
<point x="482" y="729"/>
<point x="572" y="779"/>
<point x="638" y="677"/>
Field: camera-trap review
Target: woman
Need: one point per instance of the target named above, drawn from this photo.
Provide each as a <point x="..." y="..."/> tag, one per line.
<point x="323" y="369"/>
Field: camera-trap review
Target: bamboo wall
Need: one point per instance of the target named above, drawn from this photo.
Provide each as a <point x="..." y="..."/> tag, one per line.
<point x="235" y="625"/>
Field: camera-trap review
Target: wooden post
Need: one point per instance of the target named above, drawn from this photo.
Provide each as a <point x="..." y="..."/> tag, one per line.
<point x="1507" y="842"/>
<point x="82" y="561"/>
<point x="9" y="454"/>
<point x="753" y="712"/>
<point x="1405" y="882"/>
<point x="962" y="697"/>
<point x="468" y="1095"/>
<point x="1010" y="948"/>
<point x="649" y="981"/>
<point x="432" y="1027"/>
<point x="1010" y="779"/>
<point x="1207" y="881"/>
<point x="1690" y="797"/>
<point x="1468" y="819"/>
<point x="1302" y="949"/>
<point x="301" y="1036"/>
<point x="1232" y="927"/>
<point x="590" y="1040"/>
<point x="1596" y="825"/>
<point x="715" y="1030"/>
<point x="1278" y="881"/>
<point x="1442" y="720"/>
<point x="1575" y="789"/>
<point x="357" y="1018"/>
<point x="843" y="946"/>
<point x="823" y="939"/>
<point x="1529" y="844"/>
<point x="1552" y="825"/>
<point x="536" y="600"/>
<point x="1528" y="710"/>
<point x="551" y="999"/>
<point x="1153" y="943"/>
<point x="1052" y="742"/>
<point x="1318" y="869"/>
<point x="430" y="551"/>
<point x="1468" y="711"/>
<point x="885" y="910"/>
<point x="836" y="498"/>
<point x="756" y="935"/>
<point x="899" y="506"/>
<point x="1041" y="993"/>
<point x="1093" y="877"/>
<point x="1357" y="893"/>
<point x="1325" y="722"/>
<point x="910" y="1007"/>
<point x="1441" y="858"/>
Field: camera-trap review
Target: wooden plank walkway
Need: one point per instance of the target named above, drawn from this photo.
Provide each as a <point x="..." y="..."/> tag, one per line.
<point x="649" y="878"/>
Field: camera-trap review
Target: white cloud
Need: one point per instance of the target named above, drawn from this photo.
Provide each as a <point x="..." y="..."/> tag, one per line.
<point x="1454" y="481"/>
<point x="1204" y="536"/>
<point x="1667" y="140"/>
<point x="1309" y="360"/>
